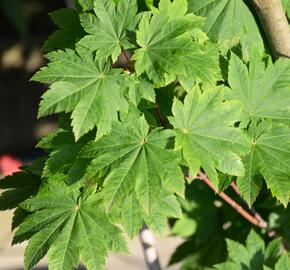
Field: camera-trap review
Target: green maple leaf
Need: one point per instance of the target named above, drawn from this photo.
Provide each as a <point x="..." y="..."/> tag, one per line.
<point x="70" y="31"/>
<point x="63" y="154"/>
<point x="85" y="5"/>
<point x="205" y="133"/>
<point x="88" y="88"/>
<point x="243" y="255"/>
<point x="165" y="207"/>
<point x="264" y="93"/>
<point x="167" y="46"/>
<point x="70" y="226"/>
<point x="133" y="217"/>
<point x="138" y="88"/>
<point x="251" y="183"/>
<point x="254" y="254"/>
<point x="200" y="64"/>
<point x="269" y="156"/>
<point x="283" y="263"/>
<point x="229" y="22"/>
<point x="137" y="161"/>
<point x="108" y="27"/>
<point x="18" y="187"/>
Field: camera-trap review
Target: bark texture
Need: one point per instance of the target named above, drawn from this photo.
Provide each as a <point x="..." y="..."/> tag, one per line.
<point x="275" y="24"/>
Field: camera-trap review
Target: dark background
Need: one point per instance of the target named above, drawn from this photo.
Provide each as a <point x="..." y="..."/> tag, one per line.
<point x="24" y="26"/>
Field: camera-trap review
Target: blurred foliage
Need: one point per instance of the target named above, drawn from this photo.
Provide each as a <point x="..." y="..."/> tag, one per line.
<point x="208" y="222"/>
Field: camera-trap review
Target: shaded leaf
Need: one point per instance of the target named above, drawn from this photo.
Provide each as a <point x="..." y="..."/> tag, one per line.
<point x="70" y="31"/>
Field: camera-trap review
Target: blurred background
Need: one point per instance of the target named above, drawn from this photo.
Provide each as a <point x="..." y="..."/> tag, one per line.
<point x="24" y="26"/>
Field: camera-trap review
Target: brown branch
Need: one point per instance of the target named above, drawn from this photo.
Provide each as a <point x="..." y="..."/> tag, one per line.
<point x="252" y="209"/>
<point x="160" y="117"/>
<point x="256" y="220"/>
<point x="275" y="25"/>
<point x="233" y="203"/>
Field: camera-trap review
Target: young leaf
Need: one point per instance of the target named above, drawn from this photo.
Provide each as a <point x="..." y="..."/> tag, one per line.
<point x="264" y="93"/>
<point x="205" y="133"/>
<point x="137" y="161"/>
<point x="107" y="30"/>
<point x="167" y="48"/>
<point x="68" y="225"/>
<point x="88" y="88"/>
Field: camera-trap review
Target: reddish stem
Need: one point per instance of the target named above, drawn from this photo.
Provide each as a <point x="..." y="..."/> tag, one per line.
<point x="233" y="204"/>
<point x="252" y="209"/>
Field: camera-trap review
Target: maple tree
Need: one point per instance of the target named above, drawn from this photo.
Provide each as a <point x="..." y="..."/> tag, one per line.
<point x="196" y="97"/>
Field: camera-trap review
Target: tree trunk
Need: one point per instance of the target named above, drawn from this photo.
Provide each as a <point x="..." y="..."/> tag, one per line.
<point x="275" y="24"/>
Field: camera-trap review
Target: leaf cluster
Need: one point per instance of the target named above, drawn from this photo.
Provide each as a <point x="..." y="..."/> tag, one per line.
<point x="148" y="98"/>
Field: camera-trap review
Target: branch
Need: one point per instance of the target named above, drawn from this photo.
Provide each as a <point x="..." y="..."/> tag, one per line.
<point x="233" y="204"/>
<point x="275" y="25"/>
<point x="252" y="209"/>
<point x="256" y="220"/>
<point x="160" y="117"/>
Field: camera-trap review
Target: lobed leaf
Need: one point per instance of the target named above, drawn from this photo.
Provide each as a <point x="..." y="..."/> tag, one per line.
<point x="108" y="27"/>
<point x="205" y="133"/>
<point x="137" y="161"/>
<point x="88" y="88"/>
<point x="67" y="227"/>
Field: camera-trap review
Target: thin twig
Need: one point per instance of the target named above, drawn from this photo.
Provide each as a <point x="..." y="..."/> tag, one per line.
<point x="233" y="203"/>
<point x="252" y="209"/>
<point x="160" y="117"/>
<point x="271" y="233"/>
<point x="275" y="24"/>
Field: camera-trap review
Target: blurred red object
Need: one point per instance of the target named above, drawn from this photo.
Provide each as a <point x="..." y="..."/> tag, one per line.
<point x="9" y="165"/>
